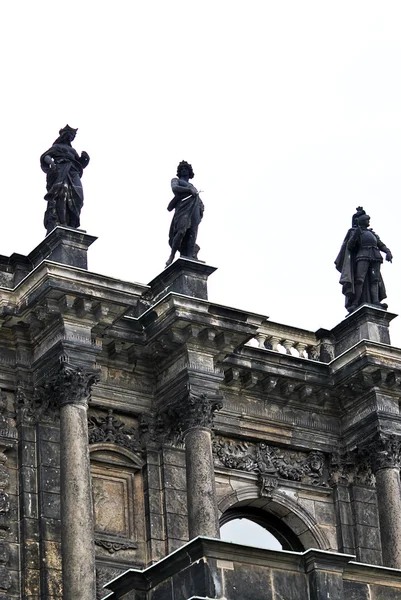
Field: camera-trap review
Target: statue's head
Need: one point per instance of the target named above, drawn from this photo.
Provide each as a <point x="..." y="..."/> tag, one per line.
<point x="364" y="220"/>
<point x="357" y="215"/>
<point x="185" y="169"/>
<point x="67" y="134"/>
<point x="316" y="461"/>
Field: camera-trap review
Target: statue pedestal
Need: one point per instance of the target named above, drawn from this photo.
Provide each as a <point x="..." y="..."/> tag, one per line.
<point x="368" y="322"/>
<point x="183" y="276"/>
<point x="64" y="245"/>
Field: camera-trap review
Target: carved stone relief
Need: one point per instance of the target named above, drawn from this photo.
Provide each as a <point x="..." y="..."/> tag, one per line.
<point x="109" y="428"/>
<point x="113" y="489"/>
<point x="350" y="468"/>
<point x="5" y="444"/>
<point x="271" y="463"/>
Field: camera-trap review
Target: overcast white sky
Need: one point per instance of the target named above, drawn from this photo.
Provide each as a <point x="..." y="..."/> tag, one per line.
<point x="289" y="111"/>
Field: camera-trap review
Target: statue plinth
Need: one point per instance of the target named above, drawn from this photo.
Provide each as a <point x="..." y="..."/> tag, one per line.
<point x="64" y="245"/>
<point x="368" y="322"/>
<point x="183" y="276"/>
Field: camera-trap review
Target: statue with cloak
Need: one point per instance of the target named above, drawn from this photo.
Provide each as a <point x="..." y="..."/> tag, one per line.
<point x="64" y="168"/>
<point x="188" y="214"/>
<point x="359" y="262"/>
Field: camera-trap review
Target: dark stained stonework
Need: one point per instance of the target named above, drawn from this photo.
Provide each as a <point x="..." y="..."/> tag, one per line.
<point x="139" y="383"/>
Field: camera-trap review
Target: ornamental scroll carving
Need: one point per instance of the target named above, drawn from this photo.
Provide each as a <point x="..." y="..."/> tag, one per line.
<point x="112" y="430"/>
<point x="113" y="546"/>
<point x="271" y="463"/>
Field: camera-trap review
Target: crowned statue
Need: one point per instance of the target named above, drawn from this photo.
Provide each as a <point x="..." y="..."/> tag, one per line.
<point x="359" y="263"/>
<point x="64" y="168"/>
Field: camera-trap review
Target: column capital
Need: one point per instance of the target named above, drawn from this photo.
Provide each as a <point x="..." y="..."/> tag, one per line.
<point x="191" y="410"/>
<point x="68" y="385"/>
<point x="384" y="452"/>
<point x="197" y="410"/>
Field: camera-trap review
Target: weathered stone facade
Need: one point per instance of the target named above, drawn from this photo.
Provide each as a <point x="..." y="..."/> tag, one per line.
<point x="134" y="418"/>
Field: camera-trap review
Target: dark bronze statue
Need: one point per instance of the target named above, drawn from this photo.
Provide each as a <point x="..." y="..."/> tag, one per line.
<point x="359" y="263"/>
<point x="63" y="167"/>
<point x="188" y="214"/>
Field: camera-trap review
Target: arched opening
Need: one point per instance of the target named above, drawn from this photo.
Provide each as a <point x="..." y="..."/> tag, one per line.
<point x="256" y="527"/>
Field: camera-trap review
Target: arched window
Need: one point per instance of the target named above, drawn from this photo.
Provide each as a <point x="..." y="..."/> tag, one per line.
<point x="256" y="527"/>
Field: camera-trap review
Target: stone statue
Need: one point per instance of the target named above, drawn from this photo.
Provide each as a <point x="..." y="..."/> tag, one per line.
<point x="188" y="214"/>
<point x="359" y="263"/>
<point x="63" y="167"/>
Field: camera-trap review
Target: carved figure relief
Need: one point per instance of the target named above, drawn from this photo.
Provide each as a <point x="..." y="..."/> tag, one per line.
<point x="271" y="463"/>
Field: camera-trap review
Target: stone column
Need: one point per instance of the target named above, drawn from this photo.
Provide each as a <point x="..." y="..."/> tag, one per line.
<point x="203" y="516"/>
<point x="197" y="421"/>
<point x="385" y="458"/>
<point x="71" y="388"/>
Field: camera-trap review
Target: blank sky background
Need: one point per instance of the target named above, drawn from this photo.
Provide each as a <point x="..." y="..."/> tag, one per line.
<point x="290" y="113"/>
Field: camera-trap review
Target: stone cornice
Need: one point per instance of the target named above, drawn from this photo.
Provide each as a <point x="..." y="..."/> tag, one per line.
<point x="53" y="287"/>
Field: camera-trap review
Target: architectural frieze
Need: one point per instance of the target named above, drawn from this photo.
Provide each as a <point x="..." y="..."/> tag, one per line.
<point x="271" y="463"/>
<point x="274" y="411"/>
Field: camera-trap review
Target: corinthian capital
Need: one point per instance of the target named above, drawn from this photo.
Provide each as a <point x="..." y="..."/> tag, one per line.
<point x="192" y="410"/>
<point x="73" y="385"/>
<point x="69" y="385"/>
<point x="384" y="452"/>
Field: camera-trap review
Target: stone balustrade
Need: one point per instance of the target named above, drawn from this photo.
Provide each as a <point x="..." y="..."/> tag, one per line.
<point x="287" y="340"/>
